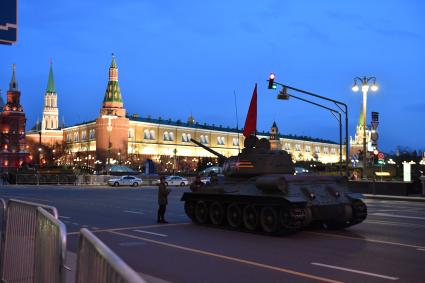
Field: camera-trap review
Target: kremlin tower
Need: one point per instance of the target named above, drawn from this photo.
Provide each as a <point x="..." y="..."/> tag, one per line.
<point x="13" y="151"/>
<point x="274" y="137"/>
<point x="50" y="112"/>
<point x="112" y="125"/>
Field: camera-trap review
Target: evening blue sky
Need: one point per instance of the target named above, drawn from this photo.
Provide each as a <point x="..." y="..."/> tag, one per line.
<point x="177" y="58"/>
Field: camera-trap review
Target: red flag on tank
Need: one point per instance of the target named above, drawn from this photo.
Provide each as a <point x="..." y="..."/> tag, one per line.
<point x="251" y="118"/>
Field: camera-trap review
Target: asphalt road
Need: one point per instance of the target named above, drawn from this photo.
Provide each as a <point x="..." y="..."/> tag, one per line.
<point x="388" y="246"/>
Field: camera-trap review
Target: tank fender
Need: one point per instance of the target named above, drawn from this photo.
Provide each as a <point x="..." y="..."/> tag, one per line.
<point x="295" y="200"/>
<point x="354" y="196"/>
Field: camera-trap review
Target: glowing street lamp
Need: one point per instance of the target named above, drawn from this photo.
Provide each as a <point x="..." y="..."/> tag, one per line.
<point x="365" y="83"/>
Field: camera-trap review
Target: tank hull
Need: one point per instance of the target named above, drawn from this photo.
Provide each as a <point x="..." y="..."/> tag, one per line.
<point x="276" y="204"/>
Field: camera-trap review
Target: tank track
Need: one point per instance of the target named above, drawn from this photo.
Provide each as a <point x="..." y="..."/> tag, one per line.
<point x="359" y="214"/>
<point x="265" y="219"/>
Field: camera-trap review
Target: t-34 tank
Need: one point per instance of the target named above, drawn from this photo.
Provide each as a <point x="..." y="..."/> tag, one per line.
<point x="259" y="192"/>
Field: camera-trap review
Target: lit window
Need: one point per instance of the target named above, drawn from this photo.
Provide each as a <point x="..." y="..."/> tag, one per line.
<point x="287" y="146"/>
<point x="76" y="137"/>
<point x="333" y="150"/>
<point x="298" y="147"/>
<point x="91" y="134"/>
<point x="83" y="135"/>
<point x="152" y="134"/>
<point x="168" y="136"/>
<point x="325" y="150"/>
<point x="307" y="148"/>
<point x="317" y="149"/>
<point x="204" y="139"/>
<point x="235" y="142"/>
<point x="221" y="141"/>
<point x="130" y="133"/>
<point x="146" y="134"/>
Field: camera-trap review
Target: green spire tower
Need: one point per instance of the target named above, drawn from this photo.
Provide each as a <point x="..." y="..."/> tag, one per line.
<point x="50" y="119"/>
<point x="113" y="93"/>
<point x="51" y="83"/>
<point x="112" y="101"/>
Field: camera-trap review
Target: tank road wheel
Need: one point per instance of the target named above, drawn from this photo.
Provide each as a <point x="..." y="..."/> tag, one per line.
<point x="359" y="211"/>
<point x="189" y="208"/>
<point x="201" y="212"/>
<point x="234" y="215"/>
<point x="286" y="222"/>
<point x="216" y="213"/>
<point x="250" y="217"/>
<point x="269" y="220"/>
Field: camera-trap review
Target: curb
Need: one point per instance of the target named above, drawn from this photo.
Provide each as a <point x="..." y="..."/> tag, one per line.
<point x="402" y="198"/>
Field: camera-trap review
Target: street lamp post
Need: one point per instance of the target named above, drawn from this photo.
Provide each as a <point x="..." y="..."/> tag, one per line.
<point x="366" y="83"/>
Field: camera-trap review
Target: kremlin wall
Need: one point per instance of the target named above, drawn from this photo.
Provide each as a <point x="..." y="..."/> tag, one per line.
<point x="117" y="137"/>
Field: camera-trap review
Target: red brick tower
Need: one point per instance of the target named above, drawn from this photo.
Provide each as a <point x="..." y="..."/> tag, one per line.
<point x="13" y="152"/>
<point x="112" y="125"/>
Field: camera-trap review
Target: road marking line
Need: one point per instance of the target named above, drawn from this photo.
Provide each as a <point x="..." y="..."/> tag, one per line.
<point x="135" y="212"/>
<point x="355" y="271"/>
<point x="64" y="217"/>
<point x="229" y="258"/>
<point x="422" y="250"/>
<point x="397" y="216"/>
<point x="131" y="228"/>
<point x="151" y="233"/>
<point x="366" y="240"/>
<point x="394" y="223"/>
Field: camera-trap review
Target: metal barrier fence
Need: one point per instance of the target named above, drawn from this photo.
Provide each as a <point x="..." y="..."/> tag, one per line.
<point x="2" y="222"/>
<point x="96" y="263"/>
<point x="45" y="179"/>
<point x="18" y="250"/>
<point x="50" y="249"/>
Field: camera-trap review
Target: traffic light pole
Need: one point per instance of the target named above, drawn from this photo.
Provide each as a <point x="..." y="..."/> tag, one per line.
<point x="333" y="111"/>
<point x="339" y="104"/>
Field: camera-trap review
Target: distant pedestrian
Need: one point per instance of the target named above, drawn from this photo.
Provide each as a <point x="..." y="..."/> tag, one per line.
<point x="195" y="186"/>
<point x="4" y="179"/>
<point x="162" y="199"/>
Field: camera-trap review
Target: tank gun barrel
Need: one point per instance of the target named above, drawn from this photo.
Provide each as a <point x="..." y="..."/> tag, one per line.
<point x="220" y="156"/>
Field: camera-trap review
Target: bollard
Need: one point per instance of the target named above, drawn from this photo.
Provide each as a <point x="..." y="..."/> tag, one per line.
<point x="423" y="184"/>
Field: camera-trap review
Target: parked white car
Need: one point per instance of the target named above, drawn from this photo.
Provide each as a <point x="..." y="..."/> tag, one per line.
<point x="176" y="181"/>
<point x="125" y="181"/>
<point x="206" y="180"/>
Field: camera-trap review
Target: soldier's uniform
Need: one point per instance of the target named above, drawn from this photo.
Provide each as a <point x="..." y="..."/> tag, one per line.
<point x="162" y="201"/>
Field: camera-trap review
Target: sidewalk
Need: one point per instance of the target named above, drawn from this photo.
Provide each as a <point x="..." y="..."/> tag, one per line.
<point x="415" y="198"/>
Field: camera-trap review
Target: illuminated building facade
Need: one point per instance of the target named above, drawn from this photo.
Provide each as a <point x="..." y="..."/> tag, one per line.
<point x="117" y="137"/>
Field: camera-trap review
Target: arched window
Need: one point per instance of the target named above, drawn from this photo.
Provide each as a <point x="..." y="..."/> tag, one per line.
<point x="146" y="134"/>
<point x="166" y="136"/>
<point x="152" y="134"/>
<point x="221" y="141"/>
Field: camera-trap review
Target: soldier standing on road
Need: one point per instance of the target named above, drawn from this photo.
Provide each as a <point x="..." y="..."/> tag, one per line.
<point x="162" y="199"/>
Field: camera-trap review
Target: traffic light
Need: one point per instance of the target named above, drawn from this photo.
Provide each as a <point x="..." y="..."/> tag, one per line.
<point x="271" y="81"/>
<point x="283" y="94"/>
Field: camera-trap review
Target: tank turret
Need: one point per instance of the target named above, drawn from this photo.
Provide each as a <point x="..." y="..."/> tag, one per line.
<point x="256" y="158"/>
